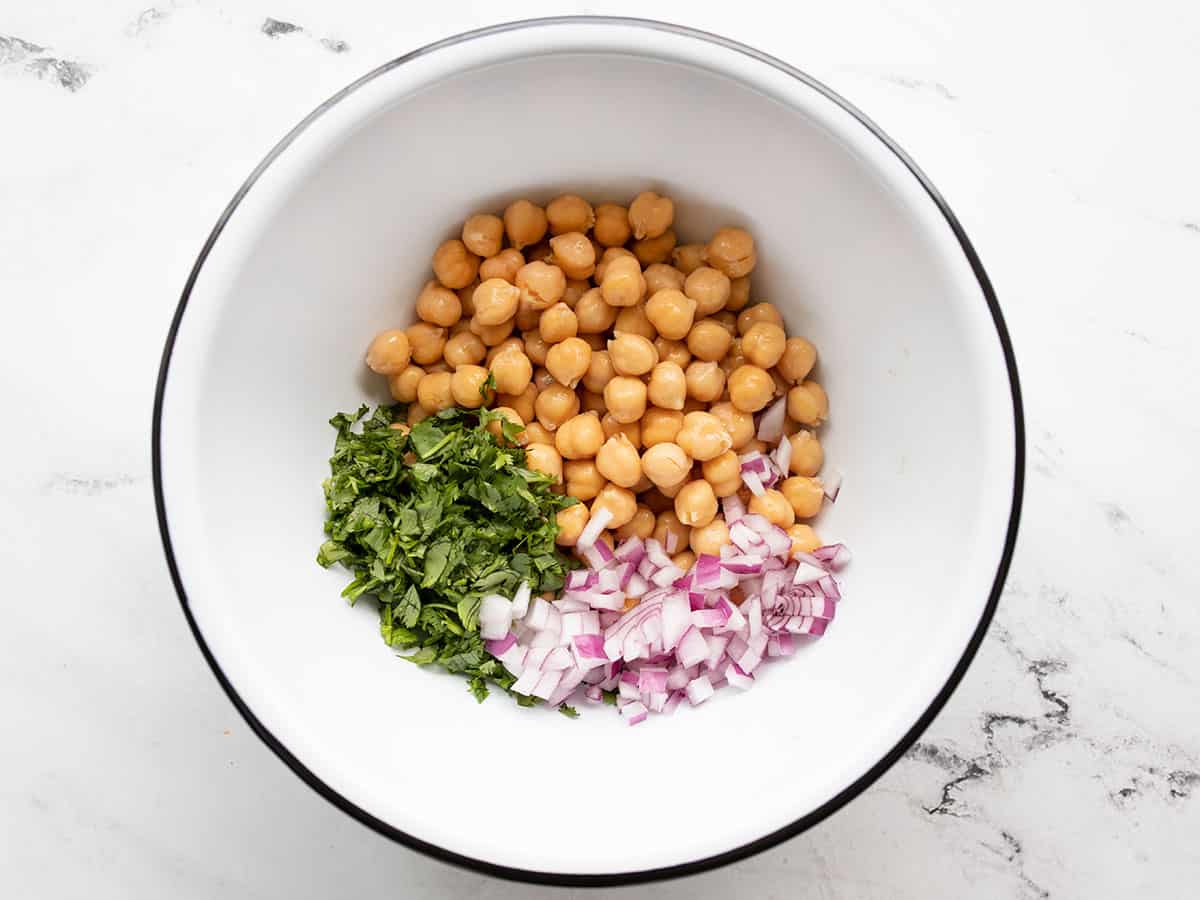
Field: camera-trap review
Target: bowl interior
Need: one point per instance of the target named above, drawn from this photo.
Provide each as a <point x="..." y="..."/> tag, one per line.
<point x="332" y="243"/>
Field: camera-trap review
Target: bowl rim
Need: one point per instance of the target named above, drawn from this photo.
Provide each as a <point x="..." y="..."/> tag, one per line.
<point x="752" y="847"/>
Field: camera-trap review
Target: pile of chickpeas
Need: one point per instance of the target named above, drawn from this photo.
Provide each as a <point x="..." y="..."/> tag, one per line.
<point x="634" y="363"/>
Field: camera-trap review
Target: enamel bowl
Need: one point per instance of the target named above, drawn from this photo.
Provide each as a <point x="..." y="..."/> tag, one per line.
<point x="328" y="242"/>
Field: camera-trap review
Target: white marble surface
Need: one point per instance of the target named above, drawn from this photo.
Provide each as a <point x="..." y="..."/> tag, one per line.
<point x="1065" y="134"/>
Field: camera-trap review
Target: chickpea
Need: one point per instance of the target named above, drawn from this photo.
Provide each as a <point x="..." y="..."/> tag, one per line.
<point x="739" y="294"/>
<point x="590" y="401"/>
<point x="640" y="526"/>
<point x="696" y="504"/>
<point x="555" y="405"/>
<point x="660" y="276"/>
<point x="600" y="371"/>
<point x="804" y="539"/>
<point x="620" y="502"/>
<point x="703" y="436"/>
<point x="672" y="351"/>
<point x="454" y="265"/>
<point x="495" y="426"/>
<point x="512" y="371"/>
<point x="650" y="215"/>
<point x="691" y="405"/>
<point x="510" y="343"/>
<point x="467" y="387"/>
<point x="654" y="250"/>
<point x="607" y="257"/>
<point x="574" y="254"/>
<point x="460" y="326"/>
<point x="568" y="360"/>
<point x="576" y="288"/>
<point x="667" y="387"/>
<point x="804" y="494"/>
<point x="666" y="464"/>
<point x="571" y="522"/>
<point x="579" y="437"/>
<point x="632" y="320"/>
<point x="403" y="385"/>
<point x="711" y="538"/>
<point x="416" y="413"/>
<point x="611" y="227"/>
<point x="536" y="348"/>
<point x="528" y="316"/>
<point x="542" y="378"/>
<point x="519" y="402"/>
<point x="631" y="430"/>
<point x="466" y="301"/>
<point x="464" y="349"/>
<point x="491" y="335"/>
<point x="781" y="385"/>
<point x="759" y="312"/>
<point x="728" y="321"/>
<point x="656" y="500"/>
<point x="750" y="388"/>
<point x="732" y="251"/>
<point x="618" y="461"/>
<point x="583" y="479"/>
<point x="623" y="283"/>
<point x="558" y="323"/>
<point x="434" y="392"/>
<point x="427" y="342"/>
<point x="728" y="487"/>
<point x="390" y="352"/>
<point x="709" y="288"/>
<point x="722" y="468"/>
<point x="799" y="357"/>
<point x="625" y="398"/>
<point x="688" y="257"/>
<point x="807" y="454"/>
<point x="763" y="344"/>
<point x="524" y="223"/>
<point x="483" y="234"/>
<point x="671" y="313"/>
<point x="503" y="265"/>
<point x="684" y="560"/>
<point x="660" y="426"/>
<point x="495" y="301"/>
<point x="774" y="507"/>
<point x="738" y="424"/>
<point x="632" y="354"/>
<point x="734" y="359"/>
<point x="544" y="458"/>
<point x="536" y="433"/>
<point x="438" y="305"/>
<point x="569" y="213"/>
<point x="541" y="284"/>
<point x="595" y="341"/>
<point x="437" y="367"/>
<point x="593" y="314"/>
<point x="708" y="340"/>
<point x="705" y="381"/>
<point x="670" y="532"/>
<point x="807" y="403"/>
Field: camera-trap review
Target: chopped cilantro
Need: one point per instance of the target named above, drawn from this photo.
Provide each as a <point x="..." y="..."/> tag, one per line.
<point x="430" y="521"/>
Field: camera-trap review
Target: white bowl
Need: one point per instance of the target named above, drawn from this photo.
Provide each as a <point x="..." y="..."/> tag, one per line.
<point x="328" y="241"/>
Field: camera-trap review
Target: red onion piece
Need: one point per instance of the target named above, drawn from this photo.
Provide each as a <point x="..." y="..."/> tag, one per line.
<point x="770" y="422"/>
<point x="596" y="524"/>
<point x="832" y="484"/>
<point x="520" y="601"/>
<point x="753" y="482"/>
<point x="699" y="690"/>
<point x="652" y="679"/>
<point x="495" y="617"/>
<point x="692" y="648"/>
<point x="635" y="713"/>
<point x="737" y="678"/>
<point x="527" y="681"/>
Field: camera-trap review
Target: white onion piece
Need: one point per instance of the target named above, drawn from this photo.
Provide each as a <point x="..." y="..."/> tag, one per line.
<point x="596" y="524"/>
<point x="770" y="422"/>
<point x="495" y="617"/>
<point x="520" y="601"/>
<point x="699" y="690"/>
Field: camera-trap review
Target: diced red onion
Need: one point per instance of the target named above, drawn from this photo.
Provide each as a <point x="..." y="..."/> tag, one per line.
<point x="571" y="603"/>
<point x="782" y="457"/>
<point x="708" y="572"/>
<point x="631" y="550"/>
<point x="807" y="574"/>
<point x="593" y="694"/>
<point x="566" y="686"/>
<point x="671" y="542"/>
<point x="520" y="601"/>
<point x="770" y="422"/>
<point x="579" y="580"/>
<point x="829" y="588"/>
<point x="527" y="681"/>
<point x="538" y="615"/>
<point x="557" y="659"/>
<point x="673" y="700"/>
<point x="710" y="618"/>
<point x="652" y="679"/>
<point x="495" y="617"/>
<point x="745" y="564"/>
<point x="692" y="648"/>
<point x="699" y="690"/>
<point x="657" y="701"/>
<point x="717" y="644"/>
<point x="832" y="484"/>
<point x="628" y="689"/>
<point x="656" y="554"/>
<point x="596" y="524"/>
<point x="738" y="678"/>
<point x="782" y="644"/>
<point x="677" y="678"/>
<point x="676" y="619"/>
<point x="835" y="556"/>
<point x="498" y="646"/>
<point x="753" y="482"/>
<point x="635" y="713"/>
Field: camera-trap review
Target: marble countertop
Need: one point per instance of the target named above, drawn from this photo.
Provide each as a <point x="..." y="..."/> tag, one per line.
<point x="1064" y="133"/>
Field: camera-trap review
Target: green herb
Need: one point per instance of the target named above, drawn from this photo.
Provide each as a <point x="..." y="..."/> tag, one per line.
<point x="569" y="711"/>
<point x="430" y="521"/>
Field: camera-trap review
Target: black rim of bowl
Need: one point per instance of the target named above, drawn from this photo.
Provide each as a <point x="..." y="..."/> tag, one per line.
<point x="768" y="840"/>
